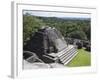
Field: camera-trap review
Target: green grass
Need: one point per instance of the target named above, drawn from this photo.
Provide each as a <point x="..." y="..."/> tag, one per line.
<point x="83" y="58"/>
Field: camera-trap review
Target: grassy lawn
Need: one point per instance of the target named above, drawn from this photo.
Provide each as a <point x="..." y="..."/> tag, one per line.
<point x="83" y="58"/>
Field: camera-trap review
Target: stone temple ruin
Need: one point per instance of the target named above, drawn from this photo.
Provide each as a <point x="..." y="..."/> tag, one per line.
<point x="48" y="46"/>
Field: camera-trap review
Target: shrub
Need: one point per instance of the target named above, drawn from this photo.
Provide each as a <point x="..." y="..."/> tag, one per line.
<point x="85" y="43"/>
<point x="88" y="48"/>
<point x="79" y="45"/>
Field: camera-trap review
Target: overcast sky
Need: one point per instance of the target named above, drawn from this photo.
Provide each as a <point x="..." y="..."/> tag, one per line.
<point x="57" y="14"/>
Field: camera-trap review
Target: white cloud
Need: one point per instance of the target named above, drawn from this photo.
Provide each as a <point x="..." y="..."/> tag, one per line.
<point x="58" y="14"/>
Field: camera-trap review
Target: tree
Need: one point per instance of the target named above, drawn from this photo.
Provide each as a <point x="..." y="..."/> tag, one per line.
<point x="74" y="28"/>
<point x="78" y="35"/>
<point x="30" y="25"/>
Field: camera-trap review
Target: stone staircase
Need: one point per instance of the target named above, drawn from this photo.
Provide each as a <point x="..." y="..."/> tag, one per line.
<point x="68" y="55"/>
<point x="65" y="56"/>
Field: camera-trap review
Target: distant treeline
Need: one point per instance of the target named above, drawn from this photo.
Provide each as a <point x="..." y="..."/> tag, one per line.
<point x="79" y="28"/>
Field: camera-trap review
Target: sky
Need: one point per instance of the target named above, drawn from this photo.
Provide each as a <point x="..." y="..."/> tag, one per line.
<point x="58" y="14"/>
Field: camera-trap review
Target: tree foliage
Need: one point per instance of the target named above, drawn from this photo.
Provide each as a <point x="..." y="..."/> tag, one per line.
<point x="69" y="27"/>
<point x="30" y="25"/>
<point x="78" y="35"/>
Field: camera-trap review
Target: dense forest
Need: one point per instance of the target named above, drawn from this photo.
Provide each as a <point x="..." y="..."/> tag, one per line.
<point x="79" y="28"/>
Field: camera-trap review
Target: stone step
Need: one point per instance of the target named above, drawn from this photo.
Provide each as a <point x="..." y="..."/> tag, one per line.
<point x="49" y="57"/>
<point x="64" y="51"/>
<point x="64" y="56"/>
<point x="70" y="59"/>
<point x="67" y="55"/>
<point x="64" y="61"/>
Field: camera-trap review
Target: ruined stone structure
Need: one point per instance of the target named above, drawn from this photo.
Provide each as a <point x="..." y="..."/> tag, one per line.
<point x="49" y="46"/>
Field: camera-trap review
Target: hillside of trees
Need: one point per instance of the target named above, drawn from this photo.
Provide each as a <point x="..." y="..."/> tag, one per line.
<point x="69" y="27"/>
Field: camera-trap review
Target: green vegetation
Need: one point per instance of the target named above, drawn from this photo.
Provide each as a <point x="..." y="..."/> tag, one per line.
<point x="78" y="35"/>
<point x="69" y="27"/>
<point x="30" y="25"/>
<point x="83" y="58"/>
